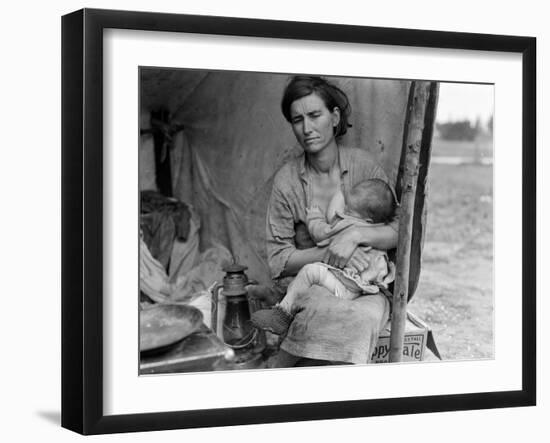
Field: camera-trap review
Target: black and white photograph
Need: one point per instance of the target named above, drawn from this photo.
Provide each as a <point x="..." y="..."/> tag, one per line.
<point x="297" y="220"/>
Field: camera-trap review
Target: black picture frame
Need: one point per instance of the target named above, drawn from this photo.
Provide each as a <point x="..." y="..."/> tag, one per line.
<point x="82" y="220"/>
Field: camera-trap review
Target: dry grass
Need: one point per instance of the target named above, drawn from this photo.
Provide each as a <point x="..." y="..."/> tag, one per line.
<point x="463" y="148"/>
<point x="455" y="294"/>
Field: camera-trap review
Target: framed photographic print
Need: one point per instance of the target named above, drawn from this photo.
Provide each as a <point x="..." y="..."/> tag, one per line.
<point x="259" y="217"/>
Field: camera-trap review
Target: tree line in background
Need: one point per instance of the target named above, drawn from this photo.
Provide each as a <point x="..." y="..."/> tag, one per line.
<point x="464" y="129"/>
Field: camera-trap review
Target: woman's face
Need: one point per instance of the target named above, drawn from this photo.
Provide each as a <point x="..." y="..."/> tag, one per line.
<point x="313" y="123"/>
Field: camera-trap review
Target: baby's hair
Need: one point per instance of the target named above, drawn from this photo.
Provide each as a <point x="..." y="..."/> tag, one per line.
<point x="373" y="199"/>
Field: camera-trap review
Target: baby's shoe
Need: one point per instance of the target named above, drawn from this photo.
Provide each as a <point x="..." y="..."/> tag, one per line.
<point x="274" y="320"/>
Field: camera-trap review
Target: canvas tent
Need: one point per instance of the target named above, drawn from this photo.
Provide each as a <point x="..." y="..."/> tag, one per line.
<point x="234" y="139"/>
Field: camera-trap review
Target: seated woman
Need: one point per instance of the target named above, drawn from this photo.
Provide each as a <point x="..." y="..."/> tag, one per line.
<point x="324" y="327"/>
<point x="370" y="202"/>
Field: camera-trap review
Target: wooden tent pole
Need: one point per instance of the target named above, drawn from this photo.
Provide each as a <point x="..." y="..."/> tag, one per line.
<point x="421" y="94"/>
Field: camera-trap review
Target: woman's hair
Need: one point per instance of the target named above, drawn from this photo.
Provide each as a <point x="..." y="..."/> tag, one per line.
<point x="302" y="86"/>
<point x="373" y="199"/>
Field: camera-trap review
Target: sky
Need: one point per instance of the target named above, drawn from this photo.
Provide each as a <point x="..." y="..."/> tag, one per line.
<point x="459" y="101"/>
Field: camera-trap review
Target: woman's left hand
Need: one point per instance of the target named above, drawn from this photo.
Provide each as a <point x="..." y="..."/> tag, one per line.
<point x="341" y="249"/>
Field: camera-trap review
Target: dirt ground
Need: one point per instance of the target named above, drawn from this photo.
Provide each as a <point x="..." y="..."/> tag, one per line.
<point x="455" y="293"/>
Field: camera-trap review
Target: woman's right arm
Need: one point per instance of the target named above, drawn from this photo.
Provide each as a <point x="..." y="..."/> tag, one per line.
<point x="284" y="259"/>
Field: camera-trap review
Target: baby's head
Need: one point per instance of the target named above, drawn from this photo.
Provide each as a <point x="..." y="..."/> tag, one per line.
<point x="371" y="200"/>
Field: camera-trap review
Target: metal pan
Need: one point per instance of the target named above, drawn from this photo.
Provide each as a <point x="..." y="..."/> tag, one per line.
<point x="163" y="325"/>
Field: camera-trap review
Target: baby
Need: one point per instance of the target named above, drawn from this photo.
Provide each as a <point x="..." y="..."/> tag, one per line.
<point x="370" y="203"/>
